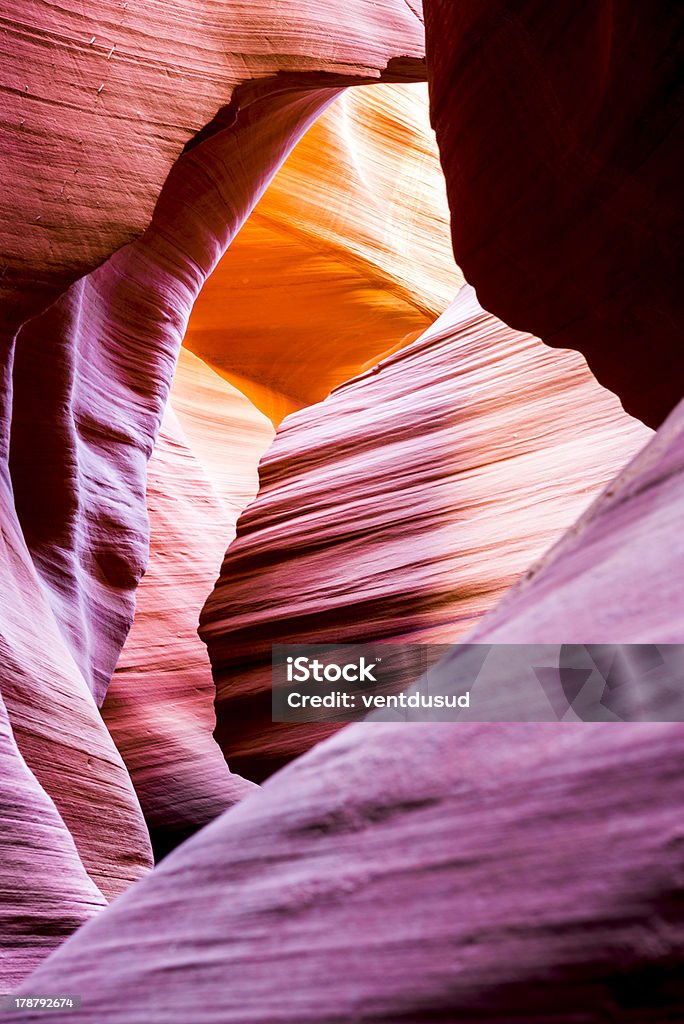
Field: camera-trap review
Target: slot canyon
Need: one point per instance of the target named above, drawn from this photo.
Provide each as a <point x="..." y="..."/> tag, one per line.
<point x="322" y="324"/>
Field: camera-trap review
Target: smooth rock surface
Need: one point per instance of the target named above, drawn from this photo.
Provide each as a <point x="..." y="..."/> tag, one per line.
<point x="434" y="872"/>
<point x="617" y="575"/>
<point x="487" y="873"/>
<point x="100" y="361"/>
<point x="90" y="379"/>
<point x="403" y="507"/>
<point x="44" y="898"/>
<point x="413" y="873"/>
<point x="97" y="108"/>
<point x="368" y="292"/>
<point x="562" y="139"/>
<point x="72" y="833"/>
<point x="98" y="102"/>
<point x="355" y="202"/>
<point x="159" y="705"/>
<point x="346" y="256"/>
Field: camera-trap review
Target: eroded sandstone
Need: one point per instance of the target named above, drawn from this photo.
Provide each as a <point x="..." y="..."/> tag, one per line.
<point x="402" y="508"/>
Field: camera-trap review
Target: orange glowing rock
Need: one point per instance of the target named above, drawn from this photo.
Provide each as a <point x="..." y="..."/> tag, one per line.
<point x="346" y="256"/>
<point x="101" y="266"/>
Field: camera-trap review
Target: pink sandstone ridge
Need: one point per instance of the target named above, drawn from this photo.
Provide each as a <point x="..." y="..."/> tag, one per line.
<point x="210" y="238"/>
<point x="100" y="270"/>
<point x="403" y="506"/>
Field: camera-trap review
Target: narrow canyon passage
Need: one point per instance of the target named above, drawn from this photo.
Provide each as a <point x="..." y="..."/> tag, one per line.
<point x="249" y="393"/>
<point x="86" y="380"/>
<point x="380" y="511"/>
<point x="310" y="244"/>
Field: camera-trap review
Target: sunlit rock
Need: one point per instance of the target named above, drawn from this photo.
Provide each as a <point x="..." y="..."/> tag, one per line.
<point x="403" y="507"/>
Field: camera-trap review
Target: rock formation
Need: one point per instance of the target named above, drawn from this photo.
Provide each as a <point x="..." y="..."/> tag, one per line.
<point x="439" y="871"/>
<point x="403" y="506"/>
<point x="480" y="872"/>
<point x="369" y="294"/>
<point x="354" y="229"/>
<point x="135" y="83"/>
<point x="159" y="706"/>
<point x="72" y="830"/>
<point x="44" y="899"/>
<point x="562" y="145"/>
<point x="613" y="577"/>
<point x="97" y="107"/>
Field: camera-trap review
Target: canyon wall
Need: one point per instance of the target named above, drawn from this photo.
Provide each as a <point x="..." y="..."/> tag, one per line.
<point x="489" y="872"/>
<point x="159" y="705"/>
<point x="336" y="233"/>
<point x="415" y="872"/>
<point x="101" y="266"/>
<point x="402" y="508"/>
<point x="562" y="141"/>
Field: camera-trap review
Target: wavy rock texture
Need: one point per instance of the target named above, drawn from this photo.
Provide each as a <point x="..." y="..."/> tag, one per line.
<point x="99" y="101"/>
<point x="372" y="152"/>
<point x="440" y="871"/>
<point x="355" y="231"/>
<point x="97" y="108"/>
<point x="403" y="506"/>
<point x="159" y="706"/>
<point x="90" y="382"/>
<point x="617" y="575"/>
<point x="414" y="873"/>
<point x="101" y="359"/>
<point x="43" y="899"/>
<point x="402" y="874"/>
<point x="562" y="140"/>
<point x="72" y="830"/>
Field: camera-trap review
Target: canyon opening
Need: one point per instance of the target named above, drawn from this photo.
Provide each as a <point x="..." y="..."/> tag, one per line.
<point x="343" y="336"/>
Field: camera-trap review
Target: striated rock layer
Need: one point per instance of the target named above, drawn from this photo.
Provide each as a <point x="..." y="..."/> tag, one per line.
<point x="71" y="827"/>
<point x="351" y="887"/>
<point x="346" y="256"/>
<point x="43" y="899"/>
<point x="159" y="705"/>
<point x="98" y="102"/>
<point x="96" y="109"/>
<point x="427" y="872"/>
<point x="562" y="139"/>
<point x="412" y="873"/>
<point x="403" y="506"/>
<point x="101" y="359"/>
<point x="616" y="576"/>
<point x="336" y="233"/>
